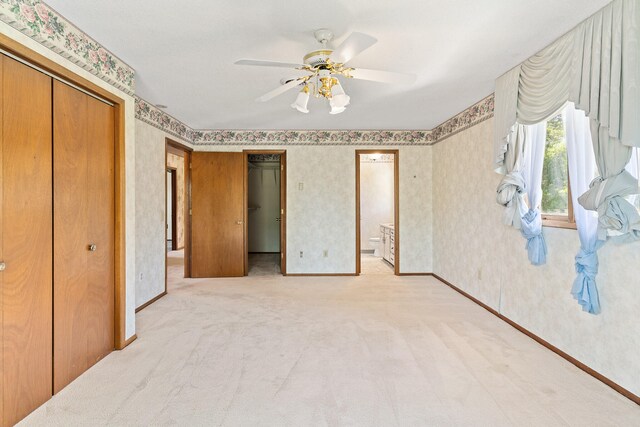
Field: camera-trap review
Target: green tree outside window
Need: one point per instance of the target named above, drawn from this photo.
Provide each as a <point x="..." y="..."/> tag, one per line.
<point x="555" y="177"/>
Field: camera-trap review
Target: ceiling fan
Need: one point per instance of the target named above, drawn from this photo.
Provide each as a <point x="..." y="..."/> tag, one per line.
<point x="324" y="67"/>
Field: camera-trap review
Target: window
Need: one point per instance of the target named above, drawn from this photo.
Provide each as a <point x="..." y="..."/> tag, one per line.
<point x="557" y="209"/>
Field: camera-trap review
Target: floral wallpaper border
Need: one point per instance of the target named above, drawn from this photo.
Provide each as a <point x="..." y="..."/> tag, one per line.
<point x="43" y="24"/>
<point x="473" y="115"/>
<point x="477" y="113"/>
<point x="157" y="118"/>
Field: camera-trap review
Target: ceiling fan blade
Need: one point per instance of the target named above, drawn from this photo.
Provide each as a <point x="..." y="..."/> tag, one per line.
<point x="382" y="76"/>
<point x="262" y="63"/>
<point x="280" y="90"/>
<point x="352" y="46"/>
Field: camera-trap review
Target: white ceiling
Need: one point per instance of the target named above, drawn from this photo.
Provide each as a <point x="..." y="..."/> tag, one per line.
<point x="183" y="52"/>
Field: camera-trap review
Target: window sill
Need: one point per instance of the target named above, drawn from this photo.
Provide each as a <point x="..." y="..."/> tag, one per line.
<point x="558" y="222"/>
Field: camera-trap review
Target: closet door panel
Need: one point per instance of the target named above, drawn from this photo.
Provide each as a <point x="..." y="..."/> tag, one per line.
<point x="26" y="210"/>
<point x="70" y="221"/>
<point x="101" y="223"/>
<point x="83" y="230"/>
<point x="1" y="242"/>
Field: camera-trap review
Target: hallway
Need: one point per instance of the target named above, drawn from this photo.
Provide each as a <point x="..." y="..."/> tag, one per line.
<point x="376" y="350"/>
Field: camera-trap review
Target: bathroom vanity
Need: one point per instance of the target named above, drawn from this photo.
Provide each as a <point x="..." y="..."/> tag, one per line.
<point x="387" y="239"/>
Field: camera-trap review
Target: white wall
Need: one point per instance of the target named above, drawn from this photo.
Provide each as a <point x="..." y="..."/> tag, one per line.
<point x="322" y="215"/>
<point x="476" y="252"/>
<point x="150" y="212"/>
<point x="376" y="198"/>
<point x="264" y="198"/>
<point x="130" y="191"/>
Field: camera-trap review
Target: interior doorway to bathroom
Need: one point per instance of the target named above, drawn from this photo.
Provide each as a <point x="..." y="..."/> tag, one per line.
<point x="377" y="189"/>
<point x="265" y="212"/>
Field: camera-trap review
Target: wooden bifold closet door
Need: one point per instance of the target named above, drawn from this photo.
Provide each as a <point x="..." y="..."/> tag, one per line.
<point x="57" y="228"/>
<point x="83" y="220"/>
<point x="25" y="239"/>
<point x="217" y="225"/>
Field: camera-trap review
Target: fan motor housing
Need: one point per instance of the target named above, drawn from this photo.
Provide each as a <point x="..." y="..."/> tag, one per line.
<point x="317" y="57"/>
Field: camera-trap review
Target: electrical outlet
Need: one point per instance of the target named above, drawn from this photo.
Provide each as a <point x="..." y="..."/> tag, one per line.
<point x="326" y="253"/>
<point x="301" y="254"/>
<point x="141" y="276"/>
<point x="480" y="274"/>
<point x="301" y="186"/>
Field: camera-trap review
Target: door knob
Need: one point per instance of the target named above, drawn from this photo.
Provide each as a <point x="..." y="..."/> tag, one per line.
<point x="92" y="248"/>
<point x="2" y="266"/>
<point x="278" y="219"/>
<point x="239" y="222"/>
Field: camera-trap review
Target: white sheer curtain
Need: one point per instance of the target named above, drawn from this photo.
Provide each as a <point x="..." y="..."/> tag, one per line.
<point x="523" y="167"/>
<point x="533" y="163"/>
<point x="582" y="171"/>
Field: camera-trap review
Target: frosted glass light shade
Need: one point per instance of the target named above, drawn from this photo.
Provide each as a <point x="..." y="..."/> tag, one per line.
<point x="301" y="102"/>
<point x="336" y="110"/>
<point x="339" y="99"/>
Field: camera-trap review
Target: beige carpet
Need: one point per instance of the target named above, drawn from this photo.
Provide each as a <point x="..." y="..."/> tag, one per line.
<point x="368" y="351"/>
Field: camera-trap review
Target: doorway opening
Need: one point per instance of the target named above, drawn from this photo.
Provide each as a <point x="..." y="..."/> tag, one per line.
<point x="377" y="215"/>
<point x="265" y="213"/>
<point x="178" y="205"/>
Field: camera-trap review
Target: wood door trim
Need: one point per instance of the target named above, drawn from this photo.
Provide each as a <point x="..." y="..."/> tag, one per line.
<point x="174" y="150"/>
<point x="52" y="67"/>
<point x="179" y="146"/>
<point x="151" y="301"/>
<point x="175" y="147"/>
<point x="131" y="339"/>
<point x="283" y="206"/>
<point x="396" y="207"/>
<point x="174" y="208"/>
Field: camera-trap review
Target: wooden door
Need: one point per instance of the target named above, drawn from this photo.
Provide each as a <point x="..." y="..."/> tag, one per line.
<point x="26" y="239"/>
<point x="217" y="231"/>
<point x="83" y="285"/>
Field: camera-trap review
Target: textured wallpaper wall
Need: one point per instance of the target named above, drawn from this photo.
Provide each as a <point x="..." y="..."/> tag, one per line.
<point x="476" y="252"/>
<point x="150" y="212"/>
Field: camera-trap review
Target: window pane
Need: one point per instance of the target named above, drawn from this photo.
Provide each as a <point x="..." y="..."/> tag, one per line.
<point x="555" y="177"/>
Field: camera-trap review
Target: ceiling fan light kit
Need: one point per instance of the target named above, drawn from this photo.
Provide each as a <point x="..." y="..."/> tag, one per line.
<point x="302" y="100"/>
<point x="324" y="66"/>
